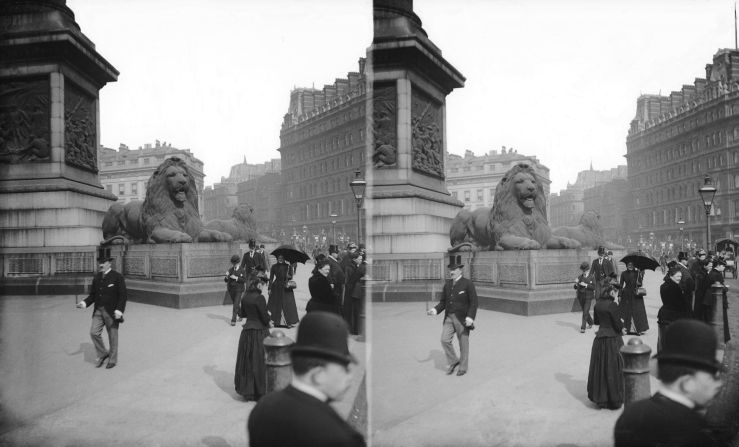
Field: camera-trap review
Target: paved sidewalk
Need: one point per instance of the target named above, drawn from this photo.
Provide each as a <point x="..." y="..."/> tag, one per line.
<point x="173" y="385"/>
<point x="526" y="384"/>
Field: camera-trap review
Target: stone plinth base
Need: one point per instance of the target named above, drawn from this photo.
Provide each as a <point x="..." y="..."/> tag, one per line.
<point x="176" y="275"/>
<point x="532" y="282"/>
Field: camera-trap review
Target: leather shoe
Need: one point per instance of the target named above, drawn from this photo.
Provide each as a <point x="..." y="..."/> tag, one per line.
<point x="109" y="365"/>
<point x="451" y="368"/>
<point x="101" y="360"/>
<point x="461" y="373"/>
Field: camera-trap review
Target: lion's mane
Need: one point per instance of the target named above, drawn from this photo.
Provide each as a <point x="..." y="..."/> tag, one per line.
<point x="241" y="226"/>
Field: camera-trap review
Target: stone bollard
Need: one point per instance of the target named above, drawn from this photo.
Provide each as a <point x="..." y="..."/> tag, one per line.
<point x="277" y="356"/>
<point x="717" y="312"/>
<point x="636" y="370"/>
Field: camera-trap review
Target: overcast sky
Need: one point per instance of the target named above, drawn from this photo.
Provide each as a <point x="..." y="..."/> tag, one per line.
<point x="555" y="79"/>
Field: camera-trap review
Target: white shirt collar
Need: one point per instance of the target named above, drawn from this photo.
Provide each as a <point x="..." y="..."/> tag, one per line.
<point x="309" y="389"/>
<point x="677" y="397"/>
<point x="107" y="271"/>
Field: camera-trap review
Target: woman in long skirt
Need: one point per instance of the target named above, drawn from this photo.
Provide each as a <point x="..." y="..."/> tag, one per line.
<point x="675" y="305"/>
<point x="250" y="377"/>
<point x="605" y="377"/>
<point x="633" y="312"/>
<point x="281" y="304"/>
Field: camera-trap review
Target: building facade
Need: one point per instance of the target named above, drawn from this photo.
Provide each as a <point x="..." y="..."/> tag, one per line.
<point x="322" y="144"/>
<point x="673" y="142"/>
<point x="612" y="202"/>
<point x="124" y="172"/>
<point x="264" y="194"/>
<point x="472" y="179"/>
<point x="568" y="206"/>
<point x="221" y="198"/>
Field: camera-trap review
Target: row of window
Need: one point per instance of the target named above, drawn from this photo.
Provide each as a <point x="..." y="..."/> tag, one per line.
<point x="682" y="191"/>
<point x="688" y="168"/>
<point x="689" y="214"/>
<point x="325" y="125"/>
<point x="322" y="210"/>
<point x="682" y="150"/>
<point x="124" y="189"/>
<point x="699" y="120"/>
<point x="131" y="162"/>
<point x="311" y="151"/>
<point x="328" y="167"/>
<point x="479" y="195"/>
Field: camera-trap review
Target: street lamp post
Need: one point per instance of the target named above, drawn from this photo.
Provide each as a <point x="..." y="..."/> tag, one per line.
<point x="333" y="226"/>
<point x="707" y="192"/>
<point x="358" y="185"/>
<point x="305" y="237"/>
<point x="682" y="239"/>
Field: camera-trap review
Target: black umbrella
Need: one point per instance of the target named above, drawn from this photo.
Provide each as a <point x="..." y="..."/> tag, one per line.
<point x="641" y="260"/>
<point x="290" y="253"/>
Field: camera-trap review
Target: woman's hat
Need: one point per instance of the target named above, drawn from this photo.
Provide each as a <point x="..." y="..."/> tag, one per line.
<point x="585" y="265"/>
<point x="323" y="335"/>
<point x="235" y="259"/>
<point x="691" y="343"/>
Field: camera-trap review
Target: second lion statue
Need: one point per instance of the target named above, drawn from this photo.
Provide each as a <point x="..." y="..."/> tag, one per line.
<point x="517" y="220"/>
<point x="169" y="212"/>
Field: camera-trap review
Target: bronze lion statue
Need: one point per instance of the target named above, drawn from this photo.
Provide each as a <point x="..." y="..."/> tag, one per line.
<point x="588" y="232"/>
<point x="241" y="226"/>
<point x="169" y="212"/>
<point x="471" y="227"/>
<point x="518" y="220"/>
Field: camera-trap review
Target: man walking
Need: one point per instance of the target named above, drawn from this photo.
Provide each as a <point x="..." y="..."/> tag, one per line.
<point x="336" y="276"/>
<point x="687" y="283"/>
<point x="601" y="269"/>
<point x="300" y="415"/>
<point x="688" y="371"/>
<point x="459" y="301"/>
<point x="235" y="284"/>
<point x="108" y="293"/>
<point x="253" y="261"/>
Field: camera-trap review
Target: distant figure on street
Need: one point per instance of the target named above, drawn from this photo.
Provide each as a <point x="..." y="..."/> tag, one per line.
<point x="322" y="297"/>
<point x="108" y="294"/>
<point x="605" y="376"/>
<point x="689" y="376"/>
<point x="281" y="298"/>
<point x="674" y="304"/>
<point x="353" y="294"/>
<point x="253" y="261"/>
<point x="687" y="283"/>
<point x="235" y="282"/>
<point x="631" y="304"/>
<point x="585" y="287"/>
<point x="250" y="377"/>
<point x="300" y="415"/>
<point x="336" y="276"/>
<point x="459" y="303"/>
<point x="601" y="269"/>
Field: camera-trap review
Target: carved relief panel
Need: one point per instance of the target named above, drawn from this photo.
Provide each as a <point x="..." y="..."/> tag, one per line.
<point x="427" y="139"/>
<point x="80" y="128"/>
<point x="384" y="125"/>
<point x="25" y="133"/>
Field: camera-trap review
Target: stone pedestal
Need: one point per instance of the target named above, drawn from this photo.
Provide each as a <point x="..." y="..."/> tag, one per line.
<point x="410" y="207"/>
<point x="51" y="201"/>
<point x="175" y="275"/>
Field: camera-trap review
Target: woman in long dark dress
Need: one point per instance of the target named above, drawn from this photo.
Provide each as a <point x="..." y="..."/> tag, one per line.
<point x="250" y="377"/>
<point x="321" y="293"/>
<point x="633" y="312"/>
<point x="605" y="377"/>
<point x="675" y="305"/>
<point x="353" y="301"/>
<point x="281" y="304"/>
<point x="702" y="285"/>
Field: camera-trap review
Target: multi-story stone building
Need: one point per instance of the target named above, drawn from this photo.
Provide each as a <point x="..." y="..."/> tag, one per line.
<point x="673" y="142"/>
<point x="612" y="202"/>
<point x="124" y="172"/>
<point x="264" y="194"/>
<point x="472" y="179"/>
<point x="322" y="144"/>
<point x="567" y="207"/>
<point x="221" y="198"/>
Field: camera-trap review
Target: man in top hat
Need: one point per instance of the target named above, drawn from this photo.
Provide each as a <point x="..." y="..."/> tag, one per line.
<point x="300" y="415"/>
<point x="235" y="284"/>
<point x="688" y="372"/>
<point x="687" y="283"/>
<point x="601" y="270"/>
<point x="336" y="275"/>
<point x="108" y="294"/>
<point x="585" y="287"/>
<point x="253" y="261"/>
<point x="459" y="301"/>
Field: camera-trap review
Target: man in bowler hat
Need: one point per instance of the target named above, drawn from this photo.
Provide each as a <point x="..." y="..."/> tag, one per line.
<point x="687" y="283"/>
<point x="336" y="276"/>
<point x="300" y="415"/>
<point x="235" y="284"/>
<point x="688" y="371"/>
<point x="459" y="301"/>
<point x="108" y="294"/>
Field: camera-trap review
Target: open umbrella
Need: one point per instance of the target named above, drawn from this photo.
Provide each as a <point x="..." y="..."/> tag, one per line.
<point x="290" y="253"/>
<point x="641" y="260"/>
